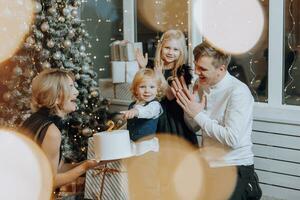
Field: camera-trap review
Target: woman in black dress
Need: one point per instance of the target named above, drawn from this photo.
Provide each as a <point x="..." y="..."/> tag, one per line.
<point x="170" y="61"/>
<point x="53" y="97"/>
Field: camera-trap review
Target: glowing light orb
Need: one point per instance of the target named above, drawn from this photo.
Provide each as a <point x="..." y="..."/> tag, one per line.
<point x="179" y="171"/>
<point x="25" y="171"/>
<point x="15" y="19"/>
<point x="232" y="25"/>
<point x="162" y="15"/>
<point x="189" y="177"/>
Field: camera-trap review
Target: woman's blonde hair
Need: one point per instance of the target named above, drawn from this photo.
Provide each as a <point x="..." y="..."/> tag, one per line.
<point x="140" y="76"/>
<point x="50" y="89"/>
<point x="176" y="35"/>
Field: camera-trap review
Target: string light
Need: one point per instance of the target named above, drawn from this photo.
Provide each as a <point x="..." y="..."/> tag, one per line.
<point x="291" y="44"/>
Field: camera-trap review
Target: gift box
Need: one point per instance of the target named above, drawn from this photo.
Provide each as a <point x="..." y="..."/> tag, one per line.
<point x="127" y="52"/>
<point x="115" y="51"/>
<point x="124" y="50"/>
<point x="123" y="71"/>
<point x="123" y="91"/>
<point x="118" y="71"/>
<point x="131" y="69"/>
<point x="107" y="183"/>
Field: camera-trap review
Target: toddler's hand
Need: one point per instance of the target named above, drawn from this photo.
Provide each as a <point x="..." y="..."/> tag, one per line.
<point x="129" y="114"/>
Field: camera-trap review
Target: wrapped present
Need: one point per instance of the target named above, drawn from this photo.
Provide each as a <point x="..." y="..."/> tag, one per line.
<point x="127" y="52"/>
<point x="115" y="51"/>
<point x="118" y="71"/>
<point x="124" y="50"/>
<point x="107" y="183"/>
<point x="123" y="71"/>
<point x="122" y="91"/>
<point x="131" y="69"/>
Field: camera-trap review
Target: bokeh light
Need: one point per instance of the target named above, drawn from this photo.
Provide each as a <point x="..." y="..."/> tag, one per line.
<point x="16" y="17"/>
<point x="178" y="171"/>
<point x="25" y="171"/>
<point x="162" y="15"/>
<point x="232" y="25"/>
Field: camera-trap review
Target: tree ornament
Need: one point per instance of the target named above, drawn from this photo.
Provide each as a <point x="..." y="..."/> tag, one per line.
<point x="39" y="34"/>
<point x="45" y="53"/>
<point x="17" y="71"/>
<point x="50" y="44"/>
<point x="57" y="55"/>
<point x="71" y="34"/>
<point x="85" y="68"/>
<point x="52" y="11"/>
<point x="46" y="65"/>
<point x="61" y="19"/>
<point x="87" y="132"/>
<point x="74" y="13"/>
<point x="67" y="43"/>
<point x="94" y="93"/>
<point x="45" y="26"/>
<point x="77" y="3"/>
<point x="37" y="7"/>
<point x="28" y="73"/>
<point x="66" y="11"/>
<point x="6" y="96"/>
<point x="39" y="46"/>
<point x="82" y="48"/>
<point x="30" y="40"/>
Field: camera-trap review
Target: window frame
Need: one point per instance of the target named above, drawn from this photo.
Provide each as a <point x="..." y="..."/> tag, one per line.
<point x="274" y="110"/>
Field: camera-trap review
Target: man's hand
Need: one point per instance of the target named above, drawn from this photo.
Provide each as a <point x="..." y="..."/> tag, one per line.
<point x="129" y="114"/>
<point x="186" y="99"/>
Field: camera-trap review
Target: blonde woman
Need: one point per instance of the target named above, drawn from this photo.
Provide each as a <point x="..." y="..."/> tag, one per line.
<point x="170" y="61"/>
<point x="53" y="97"/>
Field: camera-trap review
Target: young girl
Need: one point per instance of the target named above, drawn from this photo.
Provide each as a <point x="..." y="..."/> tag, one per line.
<point x="170" y="59"/>
<point x="143" y="113"/>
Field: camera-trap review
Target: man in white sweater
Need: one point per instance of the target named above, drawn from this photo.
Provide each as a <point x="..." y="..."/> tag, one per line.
<point x="223" y="115"/>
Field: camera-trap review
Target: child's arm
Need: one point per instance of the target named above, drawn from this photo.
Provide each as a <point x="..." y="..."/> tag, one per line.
<point x="129" y="114"/>
<point x="152" y="110"/>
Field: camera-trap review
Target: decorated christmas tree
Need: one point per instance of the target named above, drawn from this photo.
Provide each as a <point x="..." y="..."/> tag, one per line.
<point x="57" y="39"/>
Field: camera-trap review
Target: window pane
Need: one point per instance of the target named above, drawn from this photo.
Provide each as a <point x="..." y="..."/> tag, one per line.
<point x="155" y="17"/>
<point x="252" y="67"/>
<point x="291" y="89"/>
<point x="104" y="23"/>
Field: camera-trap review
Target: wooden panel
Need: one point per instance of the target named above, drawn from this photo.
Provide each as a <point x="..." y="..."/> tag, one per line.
<point x="276" y="140"/>
<point x="277" y="128"/>
<point x="279" y="179"/>
<point x="277" y="166"/>
<point x="277" y="153"/>
<point x="280" y="193"/>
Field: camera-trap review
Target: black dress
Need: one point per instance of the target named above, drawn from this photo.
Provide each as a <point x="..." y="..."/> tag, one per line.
<point x="37" y="125"/>
<point x="172" y="121"/>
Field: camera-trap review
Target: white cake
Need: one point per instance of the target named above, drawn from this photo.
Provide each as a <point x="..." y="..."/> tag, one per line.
<point x="112" y="145"/>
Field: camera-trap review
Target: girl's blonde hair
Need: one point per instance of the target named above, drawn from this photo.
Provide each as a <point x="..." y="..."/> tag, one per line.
<point x="176" y="35"/>
<point x="140" y="76"/>
<point x="50" y="89"/>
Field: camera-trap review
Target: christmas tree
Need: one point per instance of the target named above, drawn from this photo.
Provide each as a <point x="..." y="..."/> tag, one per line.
<point x="57" y="40"/>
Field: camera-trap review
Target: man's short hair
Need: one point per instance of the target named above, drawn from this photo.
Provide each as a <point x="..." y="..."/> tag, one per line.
<point x="205" y="49"/>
